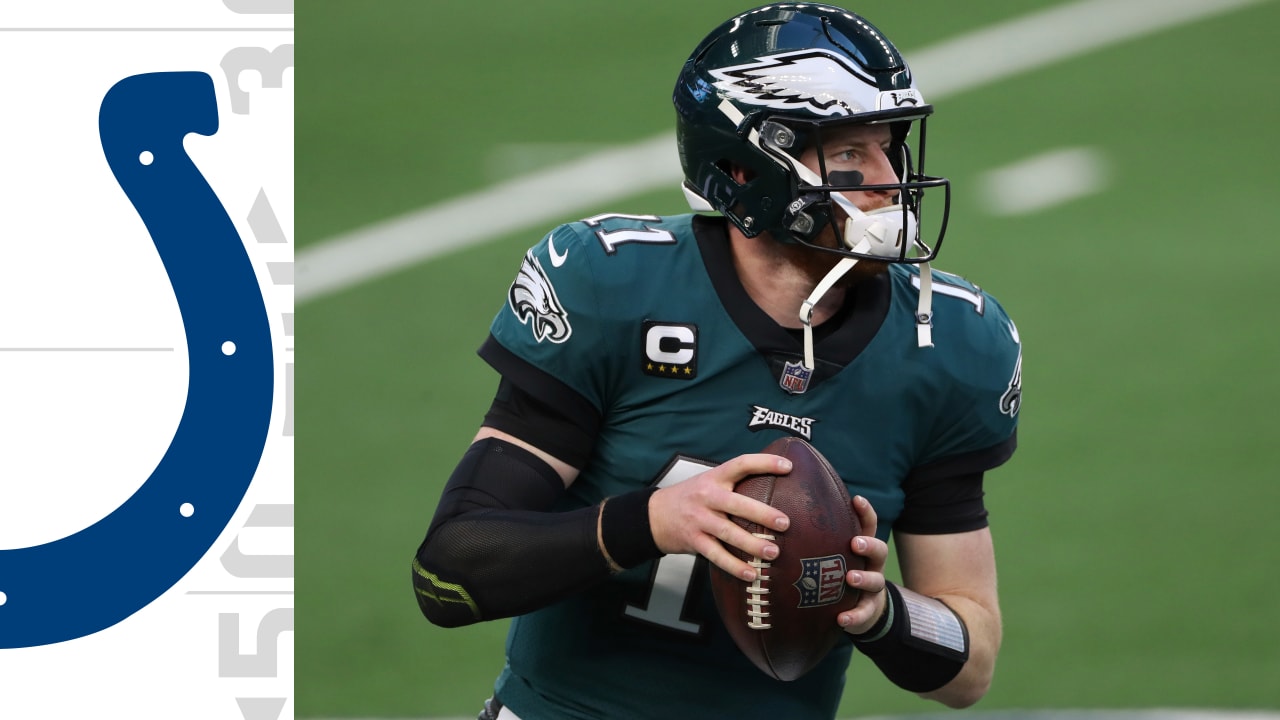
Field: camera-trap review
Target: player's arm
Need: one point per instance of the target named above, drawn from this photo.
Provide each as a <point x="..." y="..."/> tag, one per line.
<point x="958" y="570"/>
<point x="497" y="548"/>
<point x="936" y="634"/>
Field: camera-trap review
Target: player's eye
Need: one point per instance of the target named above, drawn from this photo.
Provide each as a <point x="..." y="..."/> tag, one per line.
<point x="847" y="155"/>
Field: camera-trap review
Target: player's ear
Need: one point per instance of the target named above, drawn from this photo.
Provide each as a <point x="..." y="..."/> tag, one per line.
<point x="740" y="173"/>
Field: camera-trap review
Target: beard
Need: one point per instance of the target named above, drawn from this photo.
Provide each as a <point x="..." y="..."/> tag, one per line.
<point x="815" y="264"/>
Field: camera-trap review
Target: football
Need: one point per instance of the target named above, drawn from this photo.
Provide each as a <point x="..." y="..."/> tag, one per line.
<point x="785" y="621"/>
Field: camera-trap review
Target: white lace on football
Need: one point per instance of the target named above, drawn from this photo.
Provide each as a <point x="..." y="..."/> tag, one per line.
<point x="757" y="605"/>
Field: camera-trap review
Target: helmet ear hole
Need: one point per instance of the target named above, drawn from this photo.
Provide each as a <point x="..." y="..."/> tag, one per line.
<point x="740" y="174"/>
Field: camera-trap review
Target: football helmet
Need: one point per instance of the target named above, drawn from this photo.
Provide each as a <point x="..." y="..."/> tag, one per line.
<point x="769" y="84"/>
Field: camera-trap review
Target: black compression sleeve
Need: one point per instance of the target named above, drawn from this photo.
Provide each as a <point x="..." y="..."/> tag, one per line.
<point x="521" y="414"/>
<point x="943" y="505"/>
<point x="539" y="408"/>
<point x="496" y="550"/>
<point x="946" y="496"/>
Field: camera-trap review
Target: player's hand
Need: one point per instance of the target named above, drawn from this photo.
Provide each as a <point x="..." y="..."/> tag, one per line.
<point x="696" y="515"/>
<point x="869" y="580"/>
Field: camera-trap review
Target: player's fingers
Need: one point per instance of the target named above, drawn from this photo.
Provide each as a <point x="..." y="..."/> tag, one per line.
<point x="714" y="552"/>
<point x="752" y="510"/>
<point x="863" y="615"/>
<point x="761" y="545"/>
<point x="866" y="581"/>
<point x="873" y="549"/>
<point x="754" y="464"/>
<point x="866" y="515"/>
<point x="870" y="604"/>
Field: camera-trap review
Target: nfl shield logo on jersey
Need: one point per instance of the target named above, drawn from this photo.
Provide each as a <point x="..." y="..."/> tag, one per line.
<point x="795" y="378"/>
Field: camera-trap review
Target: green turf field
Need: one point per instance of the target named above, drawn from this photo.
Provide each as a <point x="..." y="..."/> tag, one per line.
<point x="1135" y="528"/>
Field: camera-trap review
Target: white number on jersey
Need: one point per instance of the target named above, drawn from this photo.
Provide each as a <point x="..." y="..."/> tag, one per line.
<point x="671" y="579"/>
<point x="954" y="289"/>
<point x="611" y="239"/>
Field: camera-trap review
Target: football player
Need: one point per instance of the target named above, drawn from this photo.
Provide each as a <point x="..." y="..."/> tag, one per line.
<point x="646" y="360"/>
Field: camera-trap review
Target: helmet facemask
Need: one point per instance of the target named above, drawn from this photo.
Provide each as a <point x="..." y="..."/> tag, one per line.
<point x="889" y="234"/>
<point x="820" y="198"/>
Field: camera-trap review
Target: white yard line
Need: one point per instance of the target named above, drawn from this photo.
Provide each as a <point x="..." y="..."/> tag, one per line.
<point x="1151" y="714"/>
<point x="974" y="60"/>
<point x="1044" y="181"/>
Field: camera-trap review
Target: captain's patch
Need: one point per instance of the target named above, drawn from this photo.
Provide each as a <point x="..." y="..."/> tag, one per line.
<point x="670" y="350"/>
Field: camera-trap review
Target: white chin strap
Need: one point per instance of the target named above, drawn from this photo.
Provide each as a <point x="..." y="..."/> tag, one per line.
<point x="879" y="232"/>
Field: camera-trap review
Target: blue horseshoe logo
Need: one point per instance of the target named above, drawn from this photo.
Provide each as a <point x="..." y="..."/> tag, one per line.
<point x="93" y="579"/>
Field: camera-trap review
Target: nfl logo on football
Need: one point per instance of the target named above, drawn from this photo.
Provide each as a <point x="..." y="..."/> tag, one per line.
<point x="822" y="581"/>
<point x="795" y="378"/>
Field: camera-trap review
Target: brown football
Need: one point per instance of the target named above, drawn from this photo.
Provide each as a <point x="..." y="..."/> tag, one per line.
<point x="785" y="621"/>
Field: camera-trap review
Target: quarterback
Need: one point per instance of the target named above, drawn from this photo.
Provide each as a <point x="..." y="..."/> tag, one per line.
<point x="645" y="360"/>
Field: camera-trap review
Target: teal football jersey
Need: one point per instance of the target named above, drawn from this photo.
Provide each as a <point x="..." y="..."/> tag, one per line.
<point x="643" y="319"/>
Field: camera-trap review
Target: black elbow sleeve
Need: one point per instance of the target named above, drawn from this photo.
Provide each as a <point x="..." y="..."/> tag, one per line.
<point x="498" y="492"/>
<point x="444" y="603"/>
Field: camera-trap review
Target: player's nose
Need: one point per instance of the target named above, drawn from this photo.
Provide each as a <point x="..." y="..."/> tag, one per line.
<point x="879" y="171"/>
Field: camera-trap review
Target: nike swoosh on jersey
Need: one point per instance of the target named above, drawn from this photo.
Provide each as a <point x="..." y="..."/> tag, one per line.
<point x="557" y="259"/>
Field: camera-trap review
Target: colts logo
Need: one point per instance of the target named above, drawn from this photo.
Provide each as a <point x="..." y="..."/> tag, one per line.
<point x="534" y="302"/>
<point x="821" y="581"/>
<point x="97" y="577"/>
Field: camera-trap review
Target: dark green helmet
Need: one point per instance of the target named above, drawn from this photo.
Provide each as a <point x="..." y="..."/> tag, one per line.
<point x="763" y="87"/>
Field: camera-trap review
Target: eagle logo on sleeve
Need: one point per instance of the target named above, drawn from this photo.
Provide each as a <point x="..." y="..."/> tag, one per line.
<point x="1012" y="398"/>
<point x="534" y="302"/>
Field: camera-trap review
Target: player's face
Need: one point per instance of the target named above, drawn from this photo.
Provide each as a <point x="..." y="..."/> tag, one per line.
<point x="856" y="148"/>
<point x="862" y="149"/>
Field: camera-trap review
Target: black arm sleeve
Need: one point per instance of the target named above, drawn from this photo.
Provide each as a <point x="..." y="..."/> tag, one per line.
<point x="495" y="550"/>
<point x="540" y="409"/>
<point x="946" y="505"/>
<point x="947" y="496"/>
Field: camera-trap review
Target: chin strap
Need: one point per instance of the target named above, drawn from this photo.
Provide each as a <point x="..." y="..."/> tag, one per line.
<point x="879" y="232"/>
<point x="924" y="310"/>
<point x="806" y="308"/>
